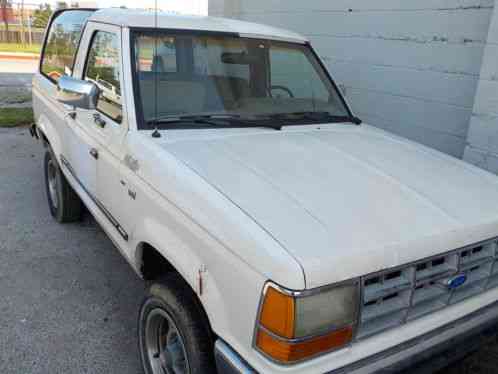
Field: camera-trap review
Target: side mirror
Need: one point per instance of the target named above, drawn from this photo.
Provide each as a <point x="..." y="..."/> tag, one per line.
<point x="77" y="93"/>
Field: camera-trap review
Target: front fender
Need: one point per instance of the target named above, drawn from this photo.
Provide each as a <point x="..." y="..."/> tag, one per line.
<point x="161" y="238"/>
<point x="231" y="290"/>
<point x="196" y="228"/>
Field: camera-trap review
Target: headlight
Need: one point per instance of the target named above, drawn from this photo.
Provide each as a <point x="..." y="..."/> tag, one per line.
<point x="293" y="326"/>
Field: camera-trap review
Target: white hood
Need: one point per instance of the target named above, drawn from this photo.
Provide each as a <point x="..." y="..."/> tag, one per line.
<point x="347" y="200"/>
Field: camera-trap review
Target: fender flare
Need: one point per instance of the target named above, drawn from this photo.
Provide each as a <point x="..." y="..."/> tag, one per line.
<point x="152" y="233"/>
<point x="188" y="264"/>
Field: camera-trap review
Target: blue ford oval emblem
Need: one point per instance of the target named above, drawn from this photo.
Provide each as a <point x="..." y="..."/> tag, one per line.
<point x="456" y="281"/>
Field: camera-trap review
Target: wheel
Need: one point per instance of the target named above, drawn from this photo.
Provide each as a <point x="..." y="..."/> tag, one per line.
<point x="65" y="205"/>
<point x="174" y="334"/>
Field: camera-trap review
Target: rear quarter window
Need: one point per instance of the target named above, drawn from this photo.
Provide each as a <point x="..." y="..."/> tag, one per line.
<point x="61" y="43"/>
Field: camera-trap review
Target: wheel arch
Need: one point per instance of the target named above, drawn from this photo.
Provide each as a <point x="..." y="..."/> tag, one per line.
<point x="153" y="266"/>
<point x="43" y="137"/>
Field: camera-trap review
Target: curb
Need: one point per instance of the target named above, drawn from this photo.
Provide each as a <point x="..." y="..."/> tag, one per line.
<point x="19" y="56"/>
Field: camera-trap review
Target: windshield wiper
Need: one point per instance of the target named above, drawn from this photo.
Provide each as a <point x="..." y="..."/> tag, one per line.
<point x="223" y="120"/>
<point x="316" y="116"/>
<point x="202" y="120"/>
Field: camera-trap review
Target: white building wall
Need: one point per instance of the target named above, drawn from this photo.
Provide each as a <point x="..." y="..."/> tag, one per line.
<point x="482" y="147"/>
<point x="410" y="67"/>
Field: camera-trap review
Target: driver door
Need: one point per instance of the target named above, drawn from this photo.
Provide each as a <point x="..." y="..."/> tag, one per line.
<point x="106" y="125"/>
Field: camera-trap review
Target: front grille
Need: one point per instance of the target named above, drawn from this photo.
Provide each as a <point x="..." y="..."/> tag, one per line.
<point x="395" y="296"/>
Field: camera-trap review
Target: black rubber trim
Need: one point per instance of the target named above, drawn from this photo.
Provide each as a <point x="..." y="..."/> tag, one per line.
<point x="231" y="363"/>
<point x="337" y="90"/>
<point x="173" y="31"/>
<point x="97" y="202"/>
<point x="437" y="356"/>
<point x="139" y="114"/>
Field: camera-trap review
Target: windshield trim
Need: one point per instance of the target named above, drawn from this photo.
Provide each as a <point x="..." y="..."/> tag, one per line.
<point x="135" y="31"/>
<point x="332" y="81"/>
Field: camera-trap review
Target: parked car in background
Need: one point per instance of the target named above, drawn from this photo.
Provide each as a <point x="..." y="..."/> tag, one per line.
<point x="279" y="233"/>
<point x="108" y="91"/>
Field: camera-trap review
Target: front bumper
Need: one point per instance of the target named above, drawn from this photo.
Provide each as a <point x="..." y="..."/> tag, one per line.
<point x="426" y="353"/>
<point x="228" y="361"/>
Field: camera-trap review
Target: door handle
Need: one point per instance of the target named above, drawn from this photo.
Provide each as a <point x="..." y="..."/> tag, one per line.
<point x="71" y="114"/>
<point x="97" y="118"/>
<point x="94" y="153"/>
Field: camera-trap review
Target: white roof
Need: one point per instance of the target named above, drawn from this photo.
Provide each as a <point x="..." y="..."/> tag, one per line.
<point x="146" y="18"/>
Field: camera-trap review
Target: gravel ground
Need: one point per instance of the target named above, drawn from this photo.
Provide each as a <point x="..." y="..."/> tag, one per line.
<point x="485" y="361"/>
<point x="68" y="300"/>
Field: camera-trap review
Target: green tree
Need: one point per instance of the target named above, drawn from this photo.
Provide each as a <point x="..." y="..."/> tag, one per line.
<point x="42" y="15"/>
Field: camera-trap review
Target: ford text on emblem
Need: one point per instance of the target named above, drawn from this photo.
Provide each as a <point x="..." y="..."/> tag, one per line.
<point x="456" y="281"/>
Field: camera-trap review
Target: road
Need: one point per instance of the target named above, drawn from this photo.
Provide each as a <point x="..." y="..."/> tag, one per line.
<point x="68" y="300"/>
<point x="15" y="73"/>
<point x="18" y="66"/>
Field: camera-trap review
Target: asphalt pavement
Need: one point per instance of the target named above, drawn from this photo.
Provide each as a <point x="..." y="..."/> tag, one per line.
<point x="18" y="66"/>
<point x="68" y="299"/>
<point x="16" y="73"/>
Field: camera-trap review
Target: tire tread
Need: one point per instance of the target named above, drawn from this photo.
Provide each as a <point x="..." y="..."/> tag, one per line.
<point x="179" y="296"/>
<point x="70" y="205"/>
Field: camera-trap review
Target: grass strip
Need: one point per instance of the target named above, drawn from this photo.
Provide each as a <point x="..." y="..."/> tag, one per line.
<point x="12" y="117"/>
<point x="19" y="48"/>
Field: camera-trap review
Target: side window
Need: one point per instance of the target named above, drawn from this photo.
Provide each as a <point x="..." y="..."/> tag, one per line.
<point x="62" y="42"/>
<point x="103" y="69"/>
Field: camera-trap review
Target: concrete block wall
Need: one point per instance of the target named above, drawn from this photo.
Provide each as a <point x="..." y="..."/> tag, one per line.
<point x="482" y="140"/>
<point x="411" y="67"/>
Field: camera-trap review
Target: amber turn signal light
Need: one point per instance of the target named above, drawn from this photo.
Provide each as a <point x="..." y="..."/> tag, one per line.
<point x="277" y="313"/>
<point x="285" y="331"/>
<point x="288" y="352"/>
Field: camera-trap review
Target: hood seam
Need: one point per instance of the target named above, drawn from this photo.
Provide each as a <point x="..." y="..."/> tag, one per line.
<point x="246" y="214"/>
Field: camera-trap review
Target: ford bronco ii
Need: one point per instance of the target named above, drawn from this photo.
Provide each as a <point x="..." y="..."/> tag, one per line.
<point x="279" y="234"/>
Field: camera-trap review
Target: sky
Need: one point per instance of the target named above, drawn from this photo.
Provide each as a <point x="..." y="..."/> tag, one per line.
<point x="180" y="6"/>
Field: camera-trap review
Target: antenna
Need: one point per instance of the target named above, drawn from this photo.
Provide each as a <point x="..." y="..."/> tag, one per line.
<point x="156" y="133"/>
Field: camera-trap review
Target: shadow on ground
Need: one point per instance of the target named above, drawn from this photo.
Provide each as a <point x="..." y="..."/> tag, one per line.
<point x="68" y="299"/>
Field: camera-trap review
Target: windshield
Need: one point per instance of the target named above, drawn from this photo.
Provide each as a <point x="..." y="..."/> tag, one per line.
<point x="179" y="75"/>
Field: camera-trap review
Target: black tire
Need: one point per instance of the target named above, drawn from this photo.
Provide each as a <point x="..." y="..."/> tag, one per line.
<point x="173" y="296"/>
<point x="68" y="207"/>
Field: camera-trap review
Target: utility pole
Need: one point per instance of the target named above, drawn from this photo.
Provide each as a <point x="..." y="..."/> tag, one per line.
<point x="30" y="36"/>
<point x="23" y="34"/>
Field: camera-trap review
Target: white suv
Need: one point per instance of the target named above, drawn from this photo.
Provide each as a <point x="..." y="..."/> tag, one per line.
<point x="281" y="234"/>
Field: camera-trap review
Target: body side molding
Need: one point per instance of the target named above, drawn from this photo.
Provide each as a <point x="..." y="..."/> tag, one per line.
<point x="97" y="202"/>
